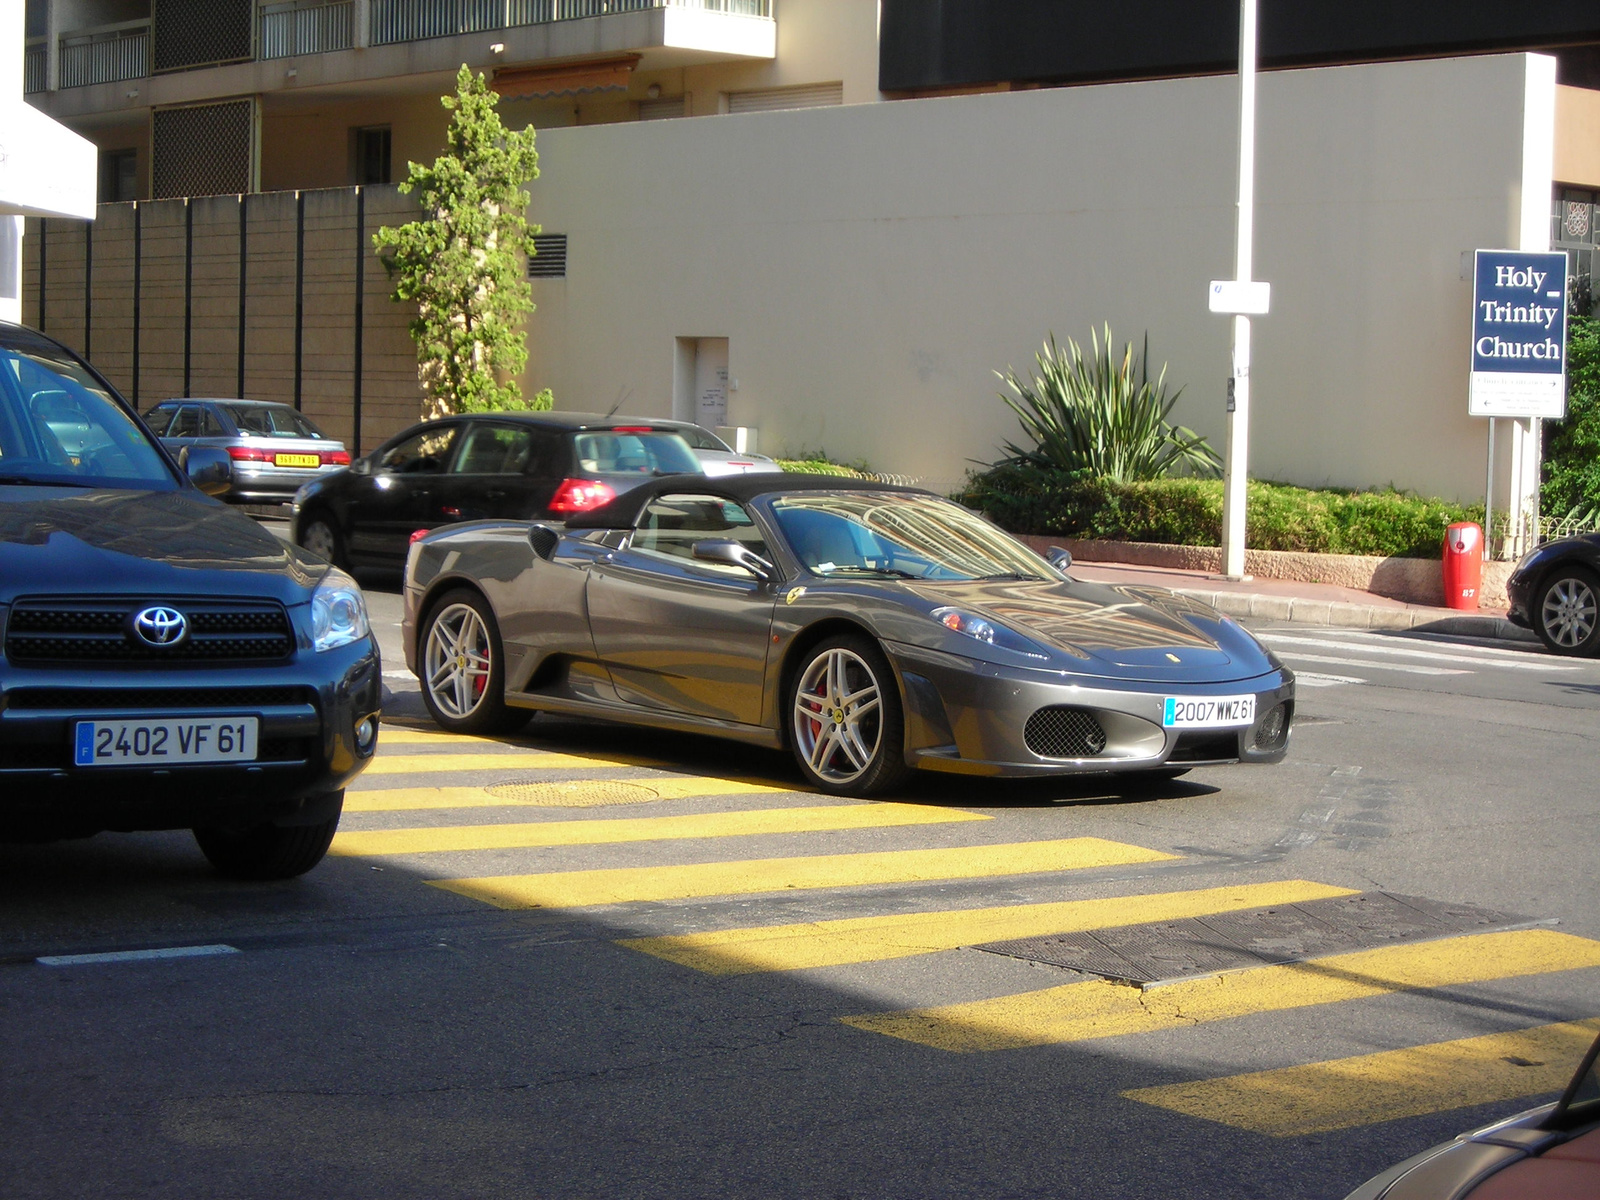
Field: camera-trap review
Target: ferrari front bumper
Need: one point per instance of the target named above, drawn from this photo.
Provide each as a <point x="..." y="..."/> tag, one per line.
<point x="976" y="718"/>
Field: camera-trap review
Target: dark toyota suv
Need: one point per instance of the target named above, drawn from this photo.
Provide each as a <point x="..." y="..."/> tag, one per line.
<point x="168" y="663"/>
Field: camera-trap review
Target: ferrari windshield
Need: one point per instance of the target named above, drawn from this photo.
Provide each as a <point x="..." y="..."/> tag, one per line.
<point x="59" y="427"/>
<point x="900" y="536"/>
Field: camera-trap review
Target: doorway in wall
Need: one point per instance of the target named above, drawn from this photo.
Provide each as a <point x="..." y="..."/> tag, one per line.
<point x="700" y="386"/>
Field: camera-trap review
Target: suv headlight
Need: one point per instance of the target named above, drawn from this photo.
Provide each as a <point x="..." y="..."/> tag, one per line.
<point x="338" y="612"/>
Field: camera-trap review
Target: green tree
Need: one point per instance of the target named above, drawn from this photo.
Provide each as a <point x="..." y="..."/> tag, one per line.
<point x="461" y="263"/>
<point x="1572" y="446"/>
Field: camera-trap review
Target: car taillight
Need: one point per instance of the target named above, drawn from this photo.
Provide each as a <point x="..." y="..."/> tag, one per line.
<point x="580" y="495"/>
<point x="633" y="429"/>
<point x="417" y="535"/>
<point x="249" y="454"/>
<point x="335" y="458"/>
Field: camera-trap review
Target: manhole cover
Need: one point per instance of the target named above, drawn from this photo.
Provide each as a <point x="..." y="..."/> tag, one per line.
<point x="1164" y="950"/>
<point x="577" y="794"/>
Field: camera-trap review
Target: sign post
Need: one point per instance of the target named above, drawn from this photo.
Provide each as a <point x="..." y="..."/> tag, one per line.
<point x="1519" y="345"/>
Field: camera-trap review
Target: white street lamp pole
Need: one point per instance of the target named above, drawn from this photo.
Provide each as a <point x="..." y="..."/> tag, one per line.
<point x="1236" y="463"/>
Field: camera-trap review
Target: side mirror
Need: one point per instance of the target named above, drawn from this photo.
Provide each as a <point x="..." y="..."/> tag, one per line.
<point x="208" y="467"/>
<point x="361" y="466"/>
<point x="733" y="554"/>
<point x="1060" y="557"/>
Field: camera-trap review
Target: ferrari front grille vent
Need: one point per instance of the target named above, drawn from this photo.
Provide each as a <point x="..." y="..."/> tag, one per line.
<point x="1061" y="731"/>
<point x="51" y="632"/>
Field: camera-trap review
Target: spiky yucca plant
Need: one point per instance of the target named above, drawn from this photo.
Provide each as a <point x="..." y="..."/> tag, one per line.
<point x="1103" y="415"/>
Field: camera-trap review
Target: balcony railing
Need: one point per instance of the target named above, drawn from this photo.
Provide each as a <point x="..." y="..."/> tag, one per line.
<point x="35" y="66"/>
<point x="105" y="55"/>
<point x="290" y="29"/>
<point x="413" y="20"/>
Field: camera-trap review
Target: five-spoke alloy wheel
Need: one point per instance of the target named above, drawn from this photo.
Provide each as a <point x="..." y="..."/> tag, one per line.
<point x="1567" y="612"/>
<point x="463" y="667"/>
<point x="846" y="727"/>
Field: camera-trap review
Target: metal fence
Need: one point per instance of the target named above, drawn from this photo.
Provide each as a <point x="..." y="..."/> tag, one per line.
<point x="105" y="55"/>
<point x="413" y="20"/>
<point x="290" y="29"/>
<point x="35" y="68"/>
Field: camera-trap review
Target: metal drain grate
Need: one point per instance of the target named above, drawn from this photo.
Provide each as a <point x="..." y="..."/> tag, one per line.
<point x="576" y="794"/>
<point x="1166" y="950"/>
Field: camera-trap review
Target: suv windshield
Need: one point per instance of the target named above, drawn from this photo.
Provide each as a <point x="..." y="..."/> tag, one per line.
<point x="60" y="427"/>
<point x="900" y="536"/>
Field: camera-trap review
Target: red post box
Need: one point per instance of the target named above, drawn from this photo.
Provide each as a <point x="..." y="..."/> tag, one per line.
<point x="1463" y="564"/>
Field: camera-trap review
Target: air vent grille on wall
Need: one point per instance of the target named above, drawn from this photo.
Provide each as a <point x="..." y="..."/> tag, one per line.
<point x="549" y="260"/>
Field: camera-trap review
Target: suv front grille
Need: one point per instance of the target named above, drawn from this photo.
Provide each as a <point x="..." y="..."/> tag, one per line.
<point x="206" y="700"/>
<point x="1061" y="731"/>
<point x="49" y="632"/>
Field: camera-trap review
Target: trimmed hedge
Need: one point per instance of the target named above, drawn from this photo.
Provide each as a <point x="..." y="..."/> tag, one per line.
<point x="1188" y="512"/>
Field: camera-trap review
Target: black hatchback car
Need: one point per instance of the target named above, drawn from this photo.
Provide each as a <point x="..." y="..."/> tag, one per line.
<point x="1555" y="591"/>
<point x="516" y="466"/>
<point x="167" y="663"/>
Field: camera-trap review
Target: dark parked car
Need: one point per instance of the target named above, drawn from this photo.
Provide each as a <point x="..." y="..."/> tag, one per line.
<point x="1547" y="1153"/>
<point x="1555" y="591"/>
<point x="167" y="663"/>
<point x="518" y="465"/>
<point x="869" y="628"/>
<point x="274" y="448"/>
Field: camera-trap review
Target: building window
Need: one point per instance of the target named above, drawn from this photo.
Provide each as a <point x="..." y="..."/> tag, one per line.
<point x="372" y="154"/>
<point x="817" y="95"/>
<point x="119" y="175"/>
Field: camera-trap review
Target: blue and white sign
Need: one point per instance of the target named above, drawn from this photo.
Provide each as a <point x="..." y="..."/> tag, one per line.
<point x="1519" y="335"/>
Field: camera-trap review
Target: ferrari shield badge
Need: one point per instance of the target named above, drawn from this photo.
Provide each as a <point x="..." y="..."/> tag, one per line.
<point x="794" y="594"/>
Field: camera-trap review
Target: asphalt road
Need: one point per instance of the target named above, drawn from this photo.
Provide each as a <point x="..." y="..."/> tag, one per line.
<point x="587" y="961"/>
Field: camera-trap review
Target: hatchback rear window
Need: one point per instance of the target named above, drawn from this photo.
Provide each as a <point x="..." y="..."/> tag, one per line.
<point x="614" y="452"/>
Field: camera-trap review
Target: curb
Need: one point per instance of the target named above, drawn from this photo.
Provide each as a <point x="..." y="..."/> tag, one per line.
<point x="1335" y="613"/>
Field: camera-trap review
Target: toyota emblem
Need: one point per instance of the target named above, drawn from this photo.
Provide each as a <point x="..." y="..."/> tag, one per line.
<point x="160" y="626"/>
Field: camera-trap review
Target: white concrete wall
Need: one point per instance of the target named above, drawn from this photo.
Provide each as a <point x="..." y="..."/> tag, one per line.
<point x="872" y="265"/>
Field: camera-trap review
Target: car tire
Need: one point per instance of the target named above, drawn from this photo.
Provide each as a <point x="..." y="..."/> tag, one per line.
<point x="846" y="727"/>
<point x="464" y="667"/>
<point x="266" y="852"/>
<point x="1566" y="611"/>
<point x="321" y="537"/>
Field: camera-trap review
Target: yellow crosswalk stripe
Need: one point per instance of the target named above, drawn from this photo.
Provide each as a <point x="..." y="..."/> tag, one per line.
<point x="813" y="819"/>
<point x="668" y="787"/>
<point x="875" y="939"/>
<point x="574" y="889"/>
<point x="1386" y="1086"/>
<point x="425" y="764"/>
<point x="390" y="735"/>
<point x="1081" y="1011"/>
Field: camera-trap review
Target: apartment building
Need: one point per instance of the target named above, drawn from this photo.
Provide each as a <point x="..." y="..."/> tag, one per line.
<point x="870" y="206"/>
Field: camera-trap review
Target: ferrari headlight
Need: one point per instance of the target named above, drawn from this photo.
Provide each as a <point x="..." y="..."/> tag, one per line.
<point x="338" y="612"/>
<point x="959" y="620"/>
<point x="964" y="622"/>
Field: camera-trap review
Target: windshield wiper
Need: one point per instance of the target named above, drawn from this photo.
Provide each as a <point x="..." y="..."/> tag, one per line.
<point x="1001" y="576"/>
<point x="894" y="572"/>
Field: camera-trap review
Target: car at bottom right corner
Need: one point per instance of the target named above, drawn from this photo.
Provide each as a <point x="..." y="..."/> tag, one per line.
<point x="1546" y="1153"/>
<point x="1555" y="591"/>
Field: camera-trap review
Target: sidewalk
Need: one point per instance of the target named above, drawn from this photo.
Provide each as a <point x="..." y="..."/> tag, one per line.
<point x="1307" y="603"/>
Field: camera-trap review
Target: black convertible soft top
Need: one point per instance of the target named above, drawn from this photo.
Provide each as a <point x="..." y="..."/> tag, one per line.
<point x="623" y="512"/>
